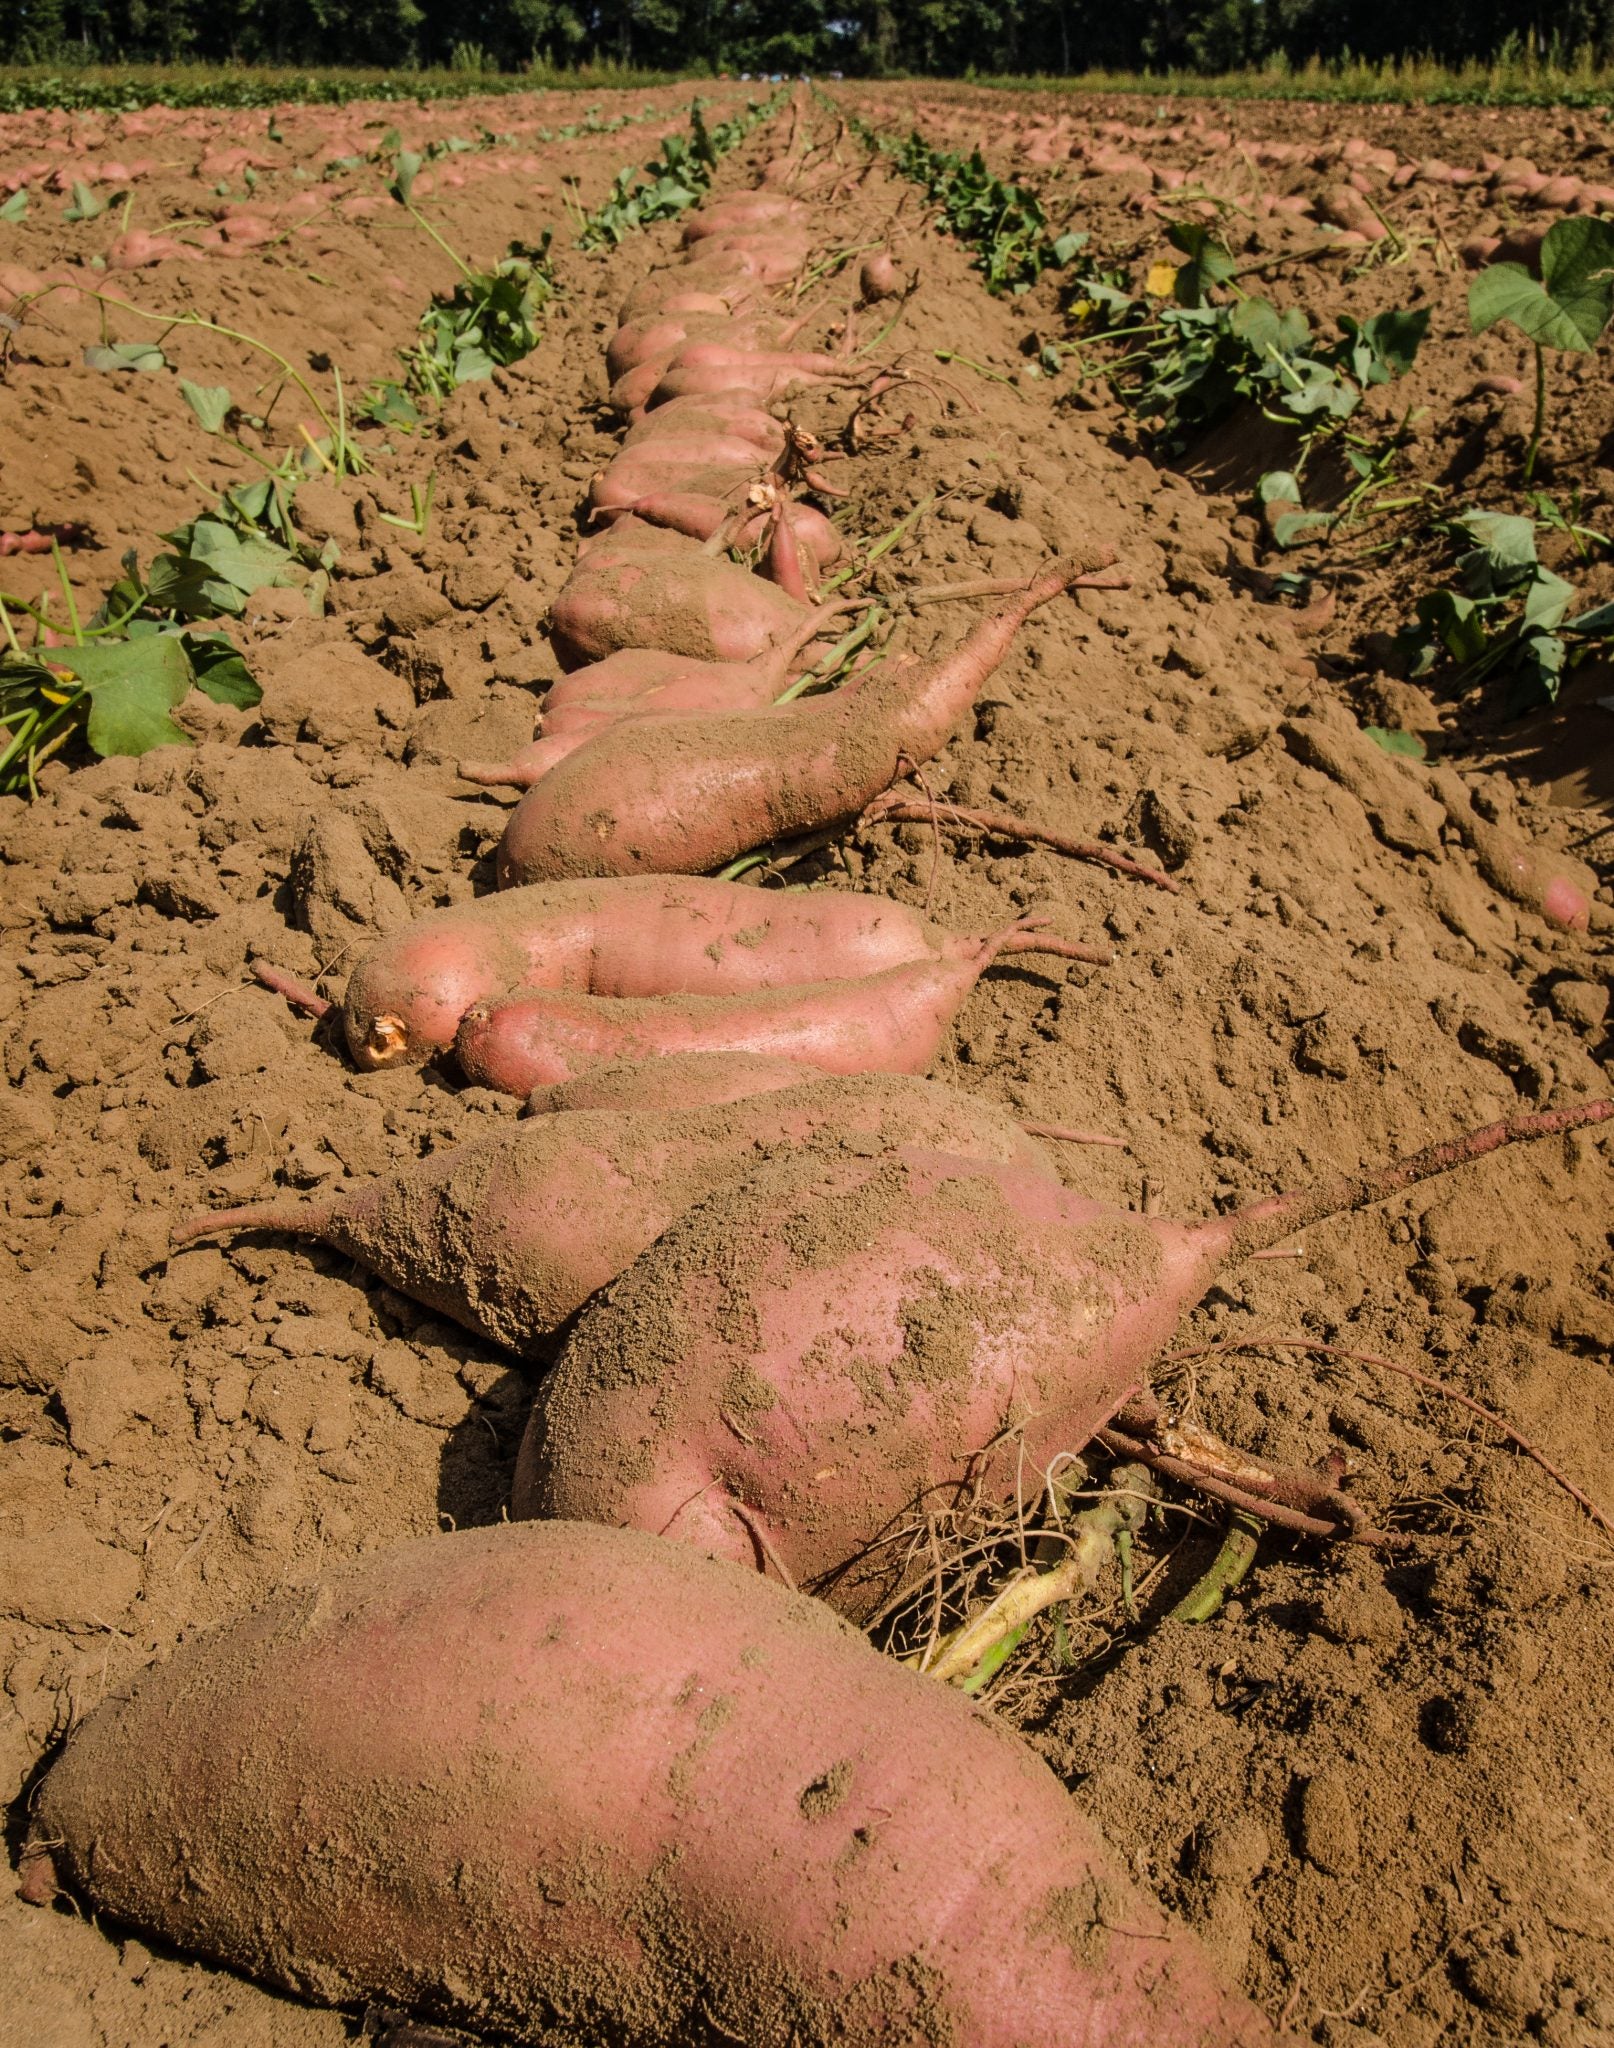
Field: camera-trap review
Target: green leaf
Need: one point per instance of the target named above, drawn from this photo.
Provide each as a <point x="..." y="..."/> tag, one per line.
<point x="1456" y="622"/>
<point x="405" y="170"/>
<point x="221" y="673"/>
<point x="1595" y="624"/>
<point x="85" y="205"/>
<point x="1405" y="743"/>
<point x="1505" y="539"/>
<point x="1294" y="529"/>
<point x="1280" y="484"/>
<point x="210" y="402"/>
<point x="1385" y="346"/>
<point x="1208" y="265"/>
<point x="1546" y="601"/>
<point x="133" y="686"/>
<point x="1538" y="671"/>
<point x="126" y="355"/>
<point x="1570" y="304"/>
<point x="1066" y="247"/>
<point x="16" y="207"/>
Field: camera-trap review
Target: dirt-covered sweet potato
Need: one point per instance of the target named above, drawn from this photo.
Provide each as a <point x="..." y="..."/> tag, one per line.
<point x="842" y="1346"/>
<point x="892" y="1022"/>
<point x="512" y="1232"/>
<point x="686" y="795"/>
<point x="578" y="1788"/>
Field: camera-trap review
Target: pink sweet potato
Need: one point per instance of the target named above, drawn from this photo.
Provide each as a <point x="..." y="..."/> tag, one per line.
<point x="1556" y="886"/>
<point x="687" y="1080"/>
<point x="639" y="682"/>
<point x="747" y="211"/>
<point x="512" y="1232"/>
<point x="892" y="1022"/>
<point x="673" y="598"/>
<point x="570" y="1783"/>
<point x="687" y="288"/>
<point x="643" y="937"/>
<point x="648" y="473"/>
<point x="758" y="375"/>
<point x="901" y="1329"/>
<point x="684" y="795"/>
<point x="732" y="418"/>
<point x="879" y="277"/>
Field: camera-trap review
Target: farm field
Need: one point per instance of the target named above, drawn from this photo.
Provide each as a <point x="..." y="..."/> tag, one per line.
<point x="1353" y="893"/>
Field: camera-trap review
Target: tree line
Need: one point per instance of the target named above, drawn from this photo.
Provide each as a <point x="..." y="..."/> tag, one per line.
<point x="860" y="37"/>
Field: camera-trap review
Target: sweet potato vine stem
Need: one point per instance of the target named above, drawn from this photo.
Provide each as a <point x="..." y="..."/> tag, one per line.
<point x="892" y="810"/>
<point x="1446" y="1392"/>
<point x="1267" y="1222"/>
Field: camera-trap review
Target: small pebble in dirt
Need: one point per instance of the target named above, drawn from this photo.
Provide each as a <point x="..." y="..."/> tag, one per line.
<point x="1327" y="1816"/>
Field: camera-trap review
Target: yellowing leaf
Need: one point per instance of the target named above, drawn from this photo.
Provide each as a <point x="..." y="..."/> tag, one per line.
<point x="1161" y="280"/>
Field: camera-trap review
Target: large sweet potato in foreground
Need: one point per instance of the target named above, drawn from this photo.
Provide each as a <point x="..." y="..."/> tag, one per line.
<point x="578" y="1786"/>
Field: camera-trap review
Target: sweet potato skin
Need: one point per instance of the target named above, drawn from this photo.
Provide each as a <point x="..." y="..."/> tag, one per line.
<point x="677" y="599"/>
<point x="585" y="1790"/>
<point x="888" y="1023"/>
<point x="644" y="936"/>
<point x="512" y="1232"/>
<point x="873" y="1328"/>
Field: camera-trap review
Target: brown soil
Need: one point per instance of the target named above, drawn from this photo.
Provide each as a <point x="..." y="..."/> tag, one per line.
<point x="1380" y="1789"/>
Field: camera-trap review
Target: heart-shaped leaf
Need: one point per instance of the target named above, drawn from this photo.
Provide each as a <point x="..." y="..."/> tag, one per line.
<point x="1404" y="743"/>
<point x="1569" y="305"/>
<point x="85" y="205"/>
<point x="133" y="686"/>
<point x="210" y="402"/>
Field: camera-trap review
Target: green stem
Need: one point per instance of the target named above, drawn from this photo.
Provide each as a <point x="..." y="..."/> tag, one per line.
<point x="823" y="670"/>
<point x="1203" y="1600"/>
<point x="170" y="320"/>
<point x="1537" y="430"/>
<point x="67" y="592"/>
<point x="453" y="256"/>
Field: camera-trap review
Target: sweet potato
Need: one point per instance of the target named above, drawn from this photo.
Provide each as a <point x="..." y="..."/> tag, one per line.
<point x="575" y="1785"/>
<point x="1556" y="886"/>
<point x="879" y="278"/>
<point x="638" y="682"/>
<point x="729" y="417"/>
<point x="686" y="1080"/>
<point x="884" y="1334"/>
<point x="683" y="795"/>
<point x="644" y="937"/>
<point x="892" y="1022"/>
<point x="511" y="1233"/>
<point x="703" y="517"/>
<point x="677" y="599"/>
<point x="758" y="375"/>
<point x="689" y="288"/>
<point x="647" y="473"/>
<point x="745" y="212"/>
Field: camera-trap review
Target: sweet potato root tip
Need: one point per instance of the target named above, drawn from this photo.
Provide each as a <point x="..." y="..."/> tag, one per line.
<point x="1066" y="1134"/>
<point x="297" y="993"/>
<point x="489" y="774"/>
<point x="1279" y="1216"/>
<point x="305" y="1219"/>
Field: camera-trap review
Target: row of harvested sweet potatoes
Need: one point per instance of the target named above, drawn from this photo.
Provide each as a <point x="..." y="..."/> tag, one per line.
<point x="608" y="1776"/>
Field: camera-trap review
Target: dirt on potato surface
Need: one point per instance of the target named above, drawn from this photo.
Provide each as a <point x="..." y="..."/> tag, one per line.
<point x="1379" y="1787"/>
